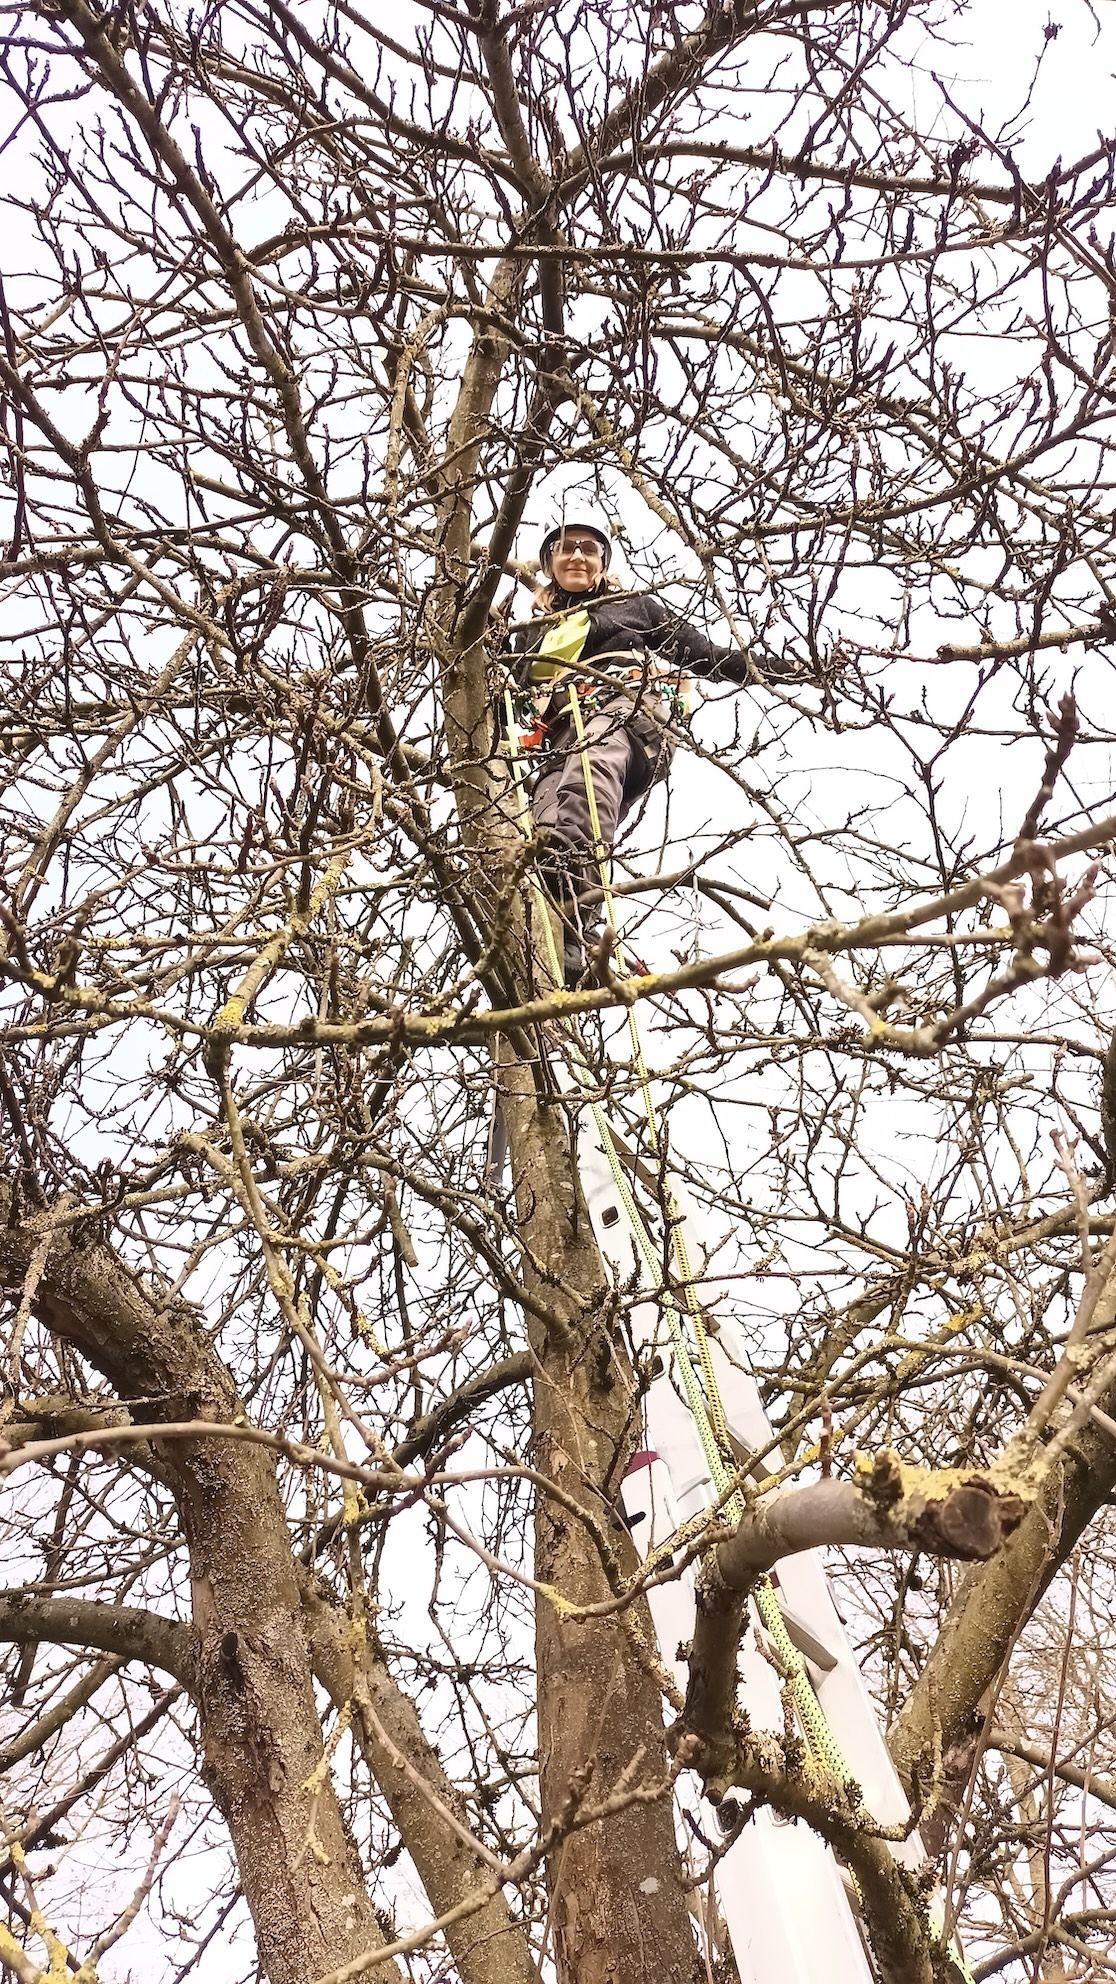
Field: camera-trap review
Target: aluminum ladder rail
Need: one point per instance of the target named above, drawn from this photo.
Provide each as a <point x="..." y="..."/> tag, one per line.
<point x="786" y="1904"/>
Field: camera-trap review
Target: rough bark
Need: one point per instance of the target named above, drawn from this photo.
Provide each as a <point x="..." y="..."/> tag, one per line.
<point x="994" y="1601"/>
<point x="488" y="1947"/>
<point x="261" y="1737"/>
<point x="618" y="1909"/>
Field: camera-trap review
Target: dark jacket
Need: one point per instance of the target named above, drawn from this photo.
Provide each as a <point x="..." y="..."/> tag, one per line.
<point x="625" y="628"/>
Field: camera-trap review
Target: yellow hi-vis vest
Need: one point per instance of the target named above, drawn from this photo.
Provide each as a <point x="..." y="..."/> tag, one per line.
<point x="560" y="649"/>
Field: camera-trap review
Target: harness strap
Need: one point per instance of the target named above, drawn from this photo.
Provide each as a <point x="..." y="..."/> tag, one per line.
<point x="538" y="695"/>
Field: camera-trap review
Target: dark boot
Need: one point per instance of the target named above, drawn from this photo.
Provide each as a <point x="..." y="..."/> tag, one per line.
<point x="574" y="967"/>
<point x="586" y="956"/>
<point x="564" y="868"/>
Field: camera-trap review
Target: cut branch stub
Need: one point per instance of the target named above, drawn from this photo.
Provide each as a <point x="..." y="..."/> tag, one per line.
<point x="971" y="1523"/>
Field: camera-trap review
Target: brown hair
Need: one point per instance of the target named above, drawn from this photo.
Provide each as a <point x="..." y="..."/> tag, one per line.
<point x="544" y="591"/>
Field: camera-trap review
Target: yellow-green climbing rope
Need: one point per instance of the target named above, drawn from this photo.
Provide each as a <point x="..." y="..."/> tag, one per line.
<point x="702" y="1393"/>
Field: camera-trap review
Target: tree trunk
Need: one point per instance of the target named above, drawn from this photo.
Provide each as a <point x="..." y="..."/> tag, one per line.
<point x="618" y="1907"/>
<point x="261" y="1737"/>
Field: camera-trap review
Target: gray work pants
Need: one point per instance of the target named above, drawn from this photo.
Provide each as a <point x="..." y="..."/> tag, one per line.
<point x="627" y="748"/>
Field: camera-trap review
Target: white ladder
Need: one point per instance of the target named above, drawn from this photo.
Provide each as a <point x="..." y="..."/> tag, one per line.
<point x="785" y="1901"/>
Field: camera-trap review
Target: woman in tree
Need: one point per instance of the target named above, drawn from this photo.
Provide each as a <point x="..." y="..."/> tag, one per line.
<point x="623" y="655"/>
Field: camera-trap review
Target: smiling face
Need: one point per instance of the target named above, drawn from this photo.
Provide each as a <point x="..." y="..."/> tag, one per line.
<point x="577" y="561"/>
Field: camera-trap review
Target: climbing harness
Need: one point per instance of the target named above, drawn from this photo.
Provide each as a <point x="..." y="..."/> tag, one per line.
<point x="554" y="664"/>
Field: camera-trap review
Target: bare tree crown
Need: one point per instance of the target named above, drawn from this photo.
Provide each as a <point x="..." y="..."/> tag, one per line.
<point x="328" y="1655"/>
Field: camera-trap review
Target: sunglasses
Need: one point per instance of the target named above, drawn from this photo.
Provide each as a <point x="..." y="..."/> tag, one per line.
<point x="568" y="547"/>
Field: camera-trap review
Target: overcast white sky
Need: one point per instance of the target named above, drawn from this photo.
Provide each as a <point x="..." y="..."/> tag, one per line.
<point x="1072" y="101"/>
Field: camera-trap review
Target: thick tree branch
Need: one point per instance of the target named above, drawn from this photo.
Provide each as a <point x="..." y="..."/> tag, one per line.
<point x="124" y="1630"/>
<point x="261" y="1735"/>
<point x="784" y="1776"/>
<point x="489" y="1946"/>
<point x="887" y="1507"/>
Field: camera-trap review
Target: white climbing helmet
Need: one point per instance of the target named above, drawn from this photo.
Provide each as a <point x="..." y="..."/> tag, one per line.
<point x="594" y="525"/>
